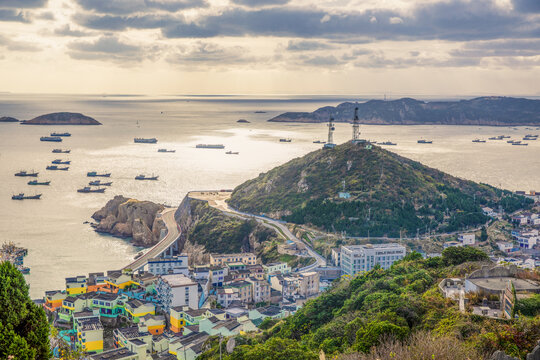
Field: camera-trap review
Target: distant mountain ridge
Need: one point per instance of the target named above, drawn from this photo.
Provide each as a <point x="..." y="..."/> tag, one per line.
<point x="62" y="118"/>
<point x="488" y="111"/>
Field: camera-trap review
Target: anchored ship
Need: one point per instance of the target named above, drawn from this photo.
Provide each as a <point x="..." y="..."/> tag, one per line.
<point x="54" y="167"/>
<point x="478" y="141"/>
<point x="425" y="141"/>
<point x="88" y="189"/>
<point x="232" y="153"/>
<point x="51" y="138"/>
<point x="144" y="177"/>
<point x="95" y="174"/>
<point x="285" y="140"/>
<point x="387" y="143"/>
<point x="25" y="173"/>
<point x="210" y="146"/>
<point x="99" y="183"/>
<point x="61" y="162"/>
<point x="319" y="142"/>
<point x="60" y="134"/>
<point x="35" y="182"/>
<point x="21" y="196"/>
<point x="166" y="151"/>
<point x="145" y="141"/>
<point x="519" y="143"/>
<point x="60" y="151"/>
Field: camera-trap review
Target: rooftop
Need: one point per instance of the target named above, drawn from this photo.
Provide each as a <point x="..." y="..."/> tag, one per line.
<point x="89" y="324"/>
<point x="176" y="280"/>
<point x="115" y="354"/>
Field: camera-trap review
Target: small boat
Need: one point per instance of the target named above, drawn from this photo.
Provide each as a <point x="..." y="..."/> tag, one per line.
<point x="425" y="141"/>
<point x="513" y="141"/>
<point x="61" y="162"/>
<point x="500" y="137"/>
<point x="144" y="177"/>
<point x="232" y="153"/>
<point x="319" y="142"/>
<point x="166" y="151"/>
<point x="260" y="112"/>
<point x="60" y="134"/>
<point x="88" y="189"/>
<point x="388" y="143"/>
<point x="478" y="141"/>
<point x="210" y="146"/>
<point x="519" y="143"/>
<point x="60" y="151"/>
<point x="21" y="196"/>
<point x="99" y="183"/>
<point x="504" y="136"/>
<point x="145" y="140"/>
<point x="35" y="182"/>
<point x="51" y="138"/>
<point x="285" y="140"/>
<point x="25" y="173"/>
<point x="95" y="174"/>
<point x="530" y="138"/>
<point x="54" y="167"/>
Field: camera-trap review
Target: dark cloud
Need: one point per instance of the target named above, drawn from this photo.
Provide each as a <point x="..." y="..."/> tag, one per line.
<point x="20" y="4"/>
<point x="326" y="61"/>
<point x="118" y="23"/>
<point x="527" y="6"/>
<point x="258" y="3"/>
<point x="109" y="48"/>
<point x="307" y="45"/>
<point x="13" y="15"/>
<point x="123" y="7"/>
<point x="67" y="31"/>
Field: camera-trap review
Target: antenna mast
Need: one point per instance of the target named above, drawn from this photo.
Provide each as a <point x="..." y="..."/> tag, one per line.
<point x="356" y="127"/>
<point x="330" y="143"/>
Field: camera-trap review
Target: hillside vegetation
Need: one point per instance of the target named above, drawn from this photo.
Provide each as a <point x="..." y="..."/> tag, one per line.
<point x="397" y="311"/>
<point x="490" y="110"/>
<point x="389" y="194"/>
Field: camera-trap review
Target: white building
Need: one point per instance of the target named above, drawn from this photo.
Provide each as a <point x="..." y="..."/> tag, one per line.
<point x="171" y="265"/>
<point x="272" y="268"/>
<point x="526" y="239"/>
<point x="336" y="256"/>
<point x="467" y="239"/>
<point x="177" y="290"/>
<point x="505" y="246"/>
<point x="357" y="258"/>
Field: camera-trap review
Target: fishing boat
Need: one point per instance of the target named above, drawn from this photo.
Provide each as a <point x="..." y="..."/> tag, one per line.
<point x="99" y="183"/>
<point x="35" y="182"/>
<point x="285" y="140"/>
<point x="61" y="162"/>
<point x="25" y="173"/>
<point x="60" y="151"/>
<point x="54" y="167"/>
<point x="166" y="151"/>
<point x="519" y="144"/>
<point x="319" y="142"/>
<point x="96" y="174"/>
<point x="210" y="146"/>
<point x="144" y="177"/>
<point x="88" y="189"/>
<point x="388" y="143"/>
<point x="232" y="153"/>
<point x="513" y="141"/>
<point x="60" y="134"/>
<point x="478" y="141"/>
<point x="145" y="140"/>
<point x="21" y="196"/>
<point x="425" y="141"/>
<point x="51" y="138"/>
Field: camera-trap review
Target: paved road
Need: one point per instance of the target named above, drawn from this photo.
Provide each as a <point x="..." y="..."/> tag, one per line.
<point x="319" y="260"/>
<point x="173" y="233"/>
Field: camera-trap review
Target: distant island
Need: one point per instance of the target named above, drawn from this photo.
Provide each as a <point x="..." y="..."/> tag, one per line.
<point x="488" y="111"/>
<point x="8" y="119"/>
<point x="242" y="121"/>
<point x="62" y="118"/>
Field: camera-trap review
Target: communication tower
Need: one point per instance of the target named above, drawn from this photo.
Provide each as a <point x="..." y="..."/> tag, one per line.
<point x="330" y="143"/>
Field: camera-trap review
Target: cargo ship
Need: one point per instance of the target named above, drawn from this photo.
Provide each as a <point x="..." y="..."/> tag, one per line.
<point x="25" y="173"/>
<point x="210" y="146"/>
<point x="60" y="151"/>
<point x="99" y="183"/>
<point x="95" y="174"/>
<point x="51" y="138"/>
<point x="478" y="141"/>
<point x="144" y="177"/>
<point x="54" y="167"/>
<point x="21" y="196"/>
<point x="35" y="182"/>
<point x="166" y="151"/>
<point x="61" y="162"/>
<point x="145" y="141"/>
<point x="60" y="134"/>
<point x="425" y="141"/>
<point x="388" y="143"/>
<point x="88" y="189"/>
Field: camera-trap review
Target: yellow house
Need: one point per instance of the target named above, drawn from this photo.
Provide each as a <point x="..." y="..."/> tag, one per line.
<point x="76" y="285"/>
<point x="89" y="334"/>
<point x="154" y="324"/>
<point x="118" y="279"/>
<point x="176" y="319"/>
<point x="135" y="309"/>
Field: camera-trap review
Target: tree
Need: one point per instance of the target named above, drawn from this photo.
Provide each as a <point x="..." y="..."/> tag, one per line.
<point x="273" y="349"/>
<point x="24" y="330"/>
<point x="483" y="234"/>
<point x="456" y="255"/>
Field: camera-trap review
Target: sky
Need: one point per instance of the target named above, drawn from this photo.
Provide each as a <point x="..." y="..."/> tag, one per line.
<point x="369" y="47"/>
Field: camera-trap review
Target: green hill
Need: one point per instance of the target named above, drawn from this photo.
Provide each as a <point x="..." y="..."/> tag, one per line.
<point x="388" y="194"/>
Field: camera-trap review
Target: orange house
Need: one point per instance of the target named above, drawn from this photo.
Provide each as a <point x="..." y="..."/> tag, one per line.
<point x="53" y="299"/>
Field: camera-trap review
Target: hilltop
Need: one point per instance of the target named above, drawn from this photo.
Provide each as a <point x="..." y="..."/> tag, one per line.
<point x="388" y="194"/>
<point x="62" y="118"/>
<point x="491" y="111"/>
<point x="8" y="119"/>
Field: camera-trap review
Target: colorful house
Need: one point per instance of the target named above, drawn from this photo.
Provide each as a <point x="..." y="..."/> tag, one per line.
<point x="154" y="324"/>
<point x="96" y="282"/>
<point x="109" y="305"/>
<point x="76" y="285"/>
<point x="72" y="305"/>
<point x="122" y="336"/>
<point x="118" y="279"/>
<point x="135" y="309"/>
<point x="53" y="299"/>
<point x="89" y="334"/>
<point x="176" y="320"/>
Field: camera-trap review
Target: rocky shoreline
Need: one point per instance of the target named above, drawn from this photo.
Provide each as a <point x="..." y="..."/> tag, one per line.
<point x="130" y="218"/>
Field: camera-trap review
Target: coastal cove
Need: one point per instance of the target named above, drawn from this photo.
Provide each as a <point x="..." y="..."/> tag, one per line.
<point x="60" y="245"/>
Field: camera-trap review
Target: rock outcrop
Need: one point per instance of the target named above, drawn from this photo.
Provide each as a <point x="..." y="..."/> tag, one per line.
<point x="126" y="217"/>
<point x="62" y="118"/>
<point x="8" y="119"/>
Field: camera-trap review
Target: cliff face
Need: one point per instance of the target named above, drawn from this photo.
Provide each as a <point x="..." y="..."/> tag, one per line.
<point x="492" y="111"/>
<point x="126" y="217"/>
<point x="62" y="118"/>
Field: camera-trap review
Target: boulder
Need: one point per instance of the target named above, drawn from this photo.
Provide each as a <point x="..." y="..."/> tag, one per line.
<point x="500" y="355"/>
<point x="535" y="354"/>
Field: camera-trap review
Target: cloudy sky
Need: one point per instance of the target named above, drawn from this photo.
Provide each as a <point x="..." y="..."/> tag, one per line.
<point x="407" y="47"/>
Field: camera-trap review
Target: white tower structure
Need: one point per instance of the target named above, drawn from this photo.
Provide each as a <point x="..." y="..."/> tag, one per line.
<point x="356" y="128"/>
<point x="330" y="143"/>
